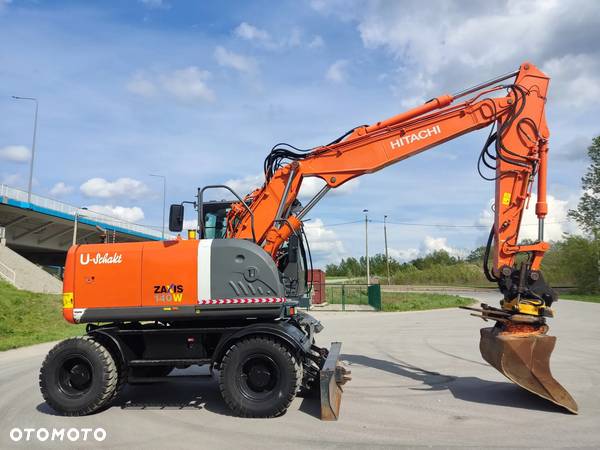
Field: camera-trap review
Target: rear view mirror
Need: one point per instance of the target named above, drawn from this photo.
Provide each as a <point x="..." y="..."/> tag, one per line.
<point x="176" y="218"/>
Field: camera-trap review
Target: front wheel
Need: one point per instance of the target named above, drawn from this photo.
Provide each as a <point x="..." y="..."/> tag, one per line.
<point x="259" y="378"/>
<point x="78" y="377"/>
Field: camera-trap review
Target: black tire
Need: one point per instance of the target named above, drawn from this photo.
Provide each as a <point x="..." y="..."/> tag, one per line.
<point x="121" y="378"/>
<point x="78" y="377"/>
<point x="259" y="377"/>
<point x="121" y="368"/>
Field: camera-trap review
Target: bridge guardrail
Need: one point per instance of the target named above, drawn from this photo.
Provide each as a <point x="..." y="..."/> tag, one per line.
<point x="48" y="203"/>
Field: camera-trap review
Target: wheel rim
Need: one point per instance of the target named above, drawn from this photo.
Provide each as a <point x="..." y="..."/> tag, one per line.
<point x="75" y="376"/>
<point x="259" y="377"/>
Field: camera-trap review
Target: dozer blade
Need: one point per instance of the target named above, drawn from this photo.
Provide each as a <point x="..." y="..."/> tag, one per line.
<point x="332" y="376"/>
<point x="525" y="360"/>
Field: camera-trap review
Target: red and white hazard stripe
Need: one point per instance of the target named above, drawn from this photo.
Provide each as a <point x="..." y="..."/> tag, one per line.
<point x="240" y="301"/>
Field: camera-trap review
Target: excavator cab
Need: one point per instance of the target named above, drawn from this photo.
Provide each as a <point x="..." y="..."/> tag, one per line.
<point x="214" y="223"/>
<point x="215" y="219"/>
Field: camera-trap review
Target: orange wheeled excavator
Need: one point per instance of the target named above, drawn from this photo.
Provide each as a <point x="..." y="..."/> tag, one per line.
<point x="226" y="297"/>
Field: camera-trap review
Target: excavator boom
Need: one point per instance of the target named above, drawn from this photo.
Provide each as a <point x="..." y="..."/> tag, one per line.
<point x="513" y="106"/>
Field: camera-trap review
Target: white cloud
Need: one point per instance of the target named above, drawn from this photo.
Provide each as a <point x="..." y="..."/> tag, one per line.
<point x="448" y="44"/>
<point x="316" y="42"/>
<point x="12" y="179"/>
<point x="404" y="255"/>
<point x="141" y="85"/>
<point x="191" y="224"/>
<point x="556" y="223"/>
<point x="15" y="153"/>
<point x="133" y="214"/>
<point x="243" y="186"/>
<point x="575" y="79"/>
<point x="122" y="187"/>
<point x="431" y="244"/>
<point x="419" y="84"/>
<point x="187" y="85"/>
<point x="235" y="61"/>
<point x="262" y="38"/>
<point x="337" y="71"/>
<point x="154" y="4"/>
<point x="251" y="33"/>
<point x="60" y="189"/>
<point x="310" y="186"/>
<point x="324" y="243"/>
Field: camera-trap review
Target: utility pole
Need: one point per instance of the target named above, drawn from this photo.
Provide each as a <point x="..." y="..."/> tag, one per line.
<point x="366" y="211"/>
<point x="164" y="178"/>
<point x="387" y="258"/>
<point x="32" y="145"/>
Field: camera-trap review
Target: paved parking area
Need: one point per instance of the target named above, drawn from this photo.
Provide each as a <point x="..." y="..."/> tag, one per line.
<point x="418" y="381"/>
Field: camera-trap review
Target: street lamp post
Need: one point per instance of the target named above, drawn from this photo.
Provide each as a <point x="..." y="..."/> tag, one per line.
<point x="31" y="160"/>
<point x="77" y="215"/>
<point x="164" y="178"/>
<point x="366" y="211"/>
<point x="387" y="257"/>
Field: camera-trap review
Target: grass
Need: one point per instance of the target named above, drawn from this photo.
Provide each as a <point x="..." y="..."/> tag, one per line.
<point x="462" y="274"/>
<point x="594" y="298"/>
<point x="27" y="318"/>
<point x="414" y="301"/>
<point x="395" y="301"/>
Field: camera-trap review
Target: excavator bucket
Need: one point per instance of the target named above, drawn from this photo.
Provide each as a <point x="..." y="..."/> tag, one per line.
<point x="524" y="358"/>
<point x="332" y="376"/>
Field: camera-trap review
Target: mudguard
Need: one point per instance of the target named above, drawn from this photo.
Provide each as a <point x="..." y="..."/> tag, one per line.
<point x="293" y="336"/>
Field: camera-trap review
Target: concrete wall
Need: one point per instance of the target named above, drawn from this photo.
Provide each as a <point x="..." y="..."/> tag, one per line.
<point x="26" y="275"/>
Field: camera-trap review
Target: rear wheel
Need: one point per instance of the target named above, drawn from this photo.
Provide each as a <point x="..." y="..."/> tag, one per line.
<point x="259" y="378"/>
<point x="78" y="377"/>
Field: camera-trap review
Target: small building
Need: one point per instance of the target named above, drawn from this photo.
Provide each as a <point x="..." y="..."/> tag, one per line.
<point x="316" y="277"/>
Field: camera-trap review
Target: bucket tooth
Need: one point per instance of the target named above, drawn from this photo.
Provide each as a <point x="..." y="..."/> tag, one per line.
<point x="524" y="358"/>
<point x="332" y="376"/>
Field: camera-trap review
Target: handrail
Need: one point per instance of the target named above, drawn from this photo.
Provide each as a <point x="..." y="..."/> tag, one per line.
<point x="13" y="275"/>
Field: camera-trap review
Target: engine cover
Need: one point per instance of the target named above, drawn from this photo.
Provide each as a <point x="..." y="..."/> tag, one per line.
<point x="177" y="279"/>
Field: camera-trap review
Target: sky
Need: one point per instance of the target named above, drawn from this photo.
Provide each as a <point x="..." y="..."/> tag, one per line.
<point x="200" y="91"/>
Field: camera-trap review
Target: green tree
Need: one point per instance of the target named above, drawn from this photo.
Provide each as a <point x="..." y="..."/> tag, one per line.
<point x="437" y="257"/>
<point x="476" y="256"/>
<point x="574" y="261"/>
<point x="587" y="213"/>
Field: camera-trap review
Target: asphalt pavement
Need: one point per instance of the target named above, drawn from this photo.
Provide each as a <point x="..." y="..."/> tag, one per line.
<point x="418" y="381"/>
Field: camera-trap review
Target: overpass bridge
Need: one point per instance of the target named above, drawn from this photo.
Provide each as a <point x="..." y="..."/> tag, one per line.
<point x="42" y="230"/>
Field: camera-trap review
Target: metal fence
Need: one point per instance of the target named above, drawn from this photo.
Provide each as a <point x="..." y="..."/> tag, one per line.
<point x="353" y="294"/>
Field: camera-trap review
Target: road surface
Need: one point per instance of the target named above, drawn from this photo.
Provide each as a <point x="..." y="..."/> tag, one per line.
<point x="418" y="380"/>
